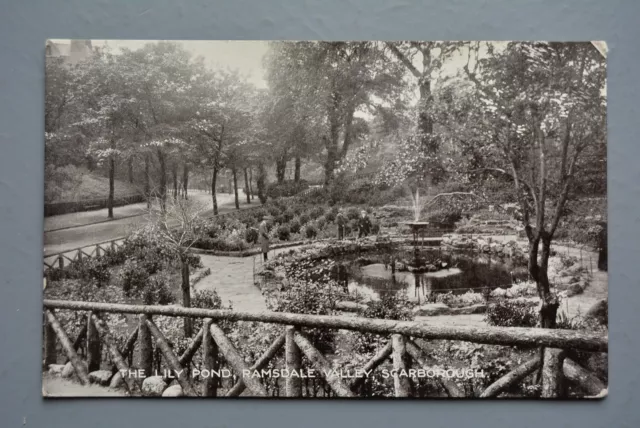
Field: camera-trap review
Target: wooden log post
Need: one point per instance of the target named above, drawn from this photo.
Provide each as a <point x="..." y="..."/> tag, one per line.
<point x="82" y="336"/>
<point x="374" y="362"/>
<point x="574" y="373"/>
<point x="130" y="344"/>
<point x="210" y="361"/>
<point x="321" y="363"/>
<point x="401" y="384"/>
<point x="293" y="361"/>
<point x="172" y="360"/>
<point x="234" y="359"/>
<point x="145" y="347"/>
<point x="76" y="362"/>
<point x="94" y="350"/>
<point x="450" y="387"/>
<point x="98" y="251"/>
<point x="239" y="387"/>
<point x="102" y="328"/>
<point x="187" y="356"/>
<point x="50" y="352"/>
<point x="511" y="378"/>
<point x="552" y="374"/>
<point x="61" y="262"/>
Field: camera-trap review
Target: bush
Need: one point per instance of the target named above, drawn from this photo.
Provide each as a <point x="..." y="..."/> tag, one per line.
<point x="273" y="211"/>
<point x="314" y="299"/>
<point x="158" y="292"/>
<point x="353" y="213"/>
<point x="134" y="277"/>
<point x="508" y="313"/>
<point x="316" y="212"/>
<point x="310" y="231"/>
<point x="286" y="189"/>
<point x="294" y="225"/>
<point x="304" y="218"/>
<point x="321" y="222"/>
<point x="331" y="214"/>
<point x="283" y="232"/>
<point x="251" y="235"/>
<point x="288" y="215"/>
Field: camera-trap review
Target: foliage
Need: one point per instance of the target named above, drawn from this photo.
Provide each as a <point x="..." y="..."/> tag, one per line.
<point x="310" y="231"/>
<point x="511" y="313"/>
<point x="313" y="298"/>
<point x="133" y="277"/>
<point x="158" y="291"/>
<point x="286" y="188"/>
<point x="283" y="232"/>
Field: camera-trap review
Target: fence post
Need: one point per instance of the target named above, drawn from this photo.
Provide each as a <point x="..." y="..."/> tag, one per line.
<point x="98" y="253"/>
<point x="145" y="349"/>
<point x="210" y="361"/>
<point x="79" y="255"/>
<point x="399" y="354"/>
<point x="552" y="373"/>
<point x="61" y="262"/>
<point x="293" y="357"/>
<point x="50" y="354"/>
<point x="93" y="345"/>
<point x="113" y="246"/>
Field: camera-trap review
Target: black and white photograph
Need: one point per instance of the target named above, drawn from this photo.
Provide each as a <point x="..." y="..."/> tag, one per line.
<point x="325" y="219"/>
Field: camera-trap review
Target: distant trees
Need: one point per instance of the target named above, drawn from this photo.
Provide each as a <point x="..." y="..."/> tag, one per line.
<point x="321" y="85"/>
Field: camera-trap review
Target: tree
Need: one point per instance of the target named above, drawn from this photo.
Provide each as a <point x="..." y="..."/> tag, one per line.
<point x="329" y="82"/>
<point x="177" y="227"/>
<point x="542" y="118"/>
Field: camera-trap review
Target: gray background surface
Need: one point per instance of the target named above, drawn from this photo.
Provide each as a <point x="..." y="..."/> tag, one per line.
<point x="24" y="26"/>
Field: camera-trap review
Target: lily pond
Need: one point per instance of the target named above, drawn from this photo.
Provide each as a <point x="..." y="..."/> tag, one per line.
<point x="421" y="273"/>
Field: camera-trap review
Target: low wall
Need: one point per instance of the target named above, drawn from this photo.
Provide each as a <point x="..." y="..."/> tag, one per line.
<point x="57" y="208"/>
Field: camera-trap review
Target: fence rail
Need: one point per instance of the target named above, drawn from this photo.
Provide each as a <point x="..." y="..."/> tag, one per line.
<point x="402" y="349"/>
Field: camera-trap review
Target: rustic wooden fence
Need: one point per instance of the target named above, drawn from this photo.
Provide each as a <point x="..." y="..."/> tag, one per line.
<point x="402" y="349"/>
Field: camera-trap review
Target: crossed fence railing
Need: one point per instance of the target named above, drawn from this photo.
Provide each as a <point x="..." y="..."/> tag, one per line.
<point x="402" y="348"/>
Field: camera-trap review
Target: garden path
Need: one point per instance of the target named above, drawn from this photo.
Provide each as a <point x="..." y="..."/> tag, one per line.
<point x="232" y="279"/>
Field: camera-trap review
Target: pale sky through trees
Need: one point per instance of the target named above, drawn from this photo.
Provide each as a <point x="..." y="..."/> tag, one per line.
<point x="244" y="55"/>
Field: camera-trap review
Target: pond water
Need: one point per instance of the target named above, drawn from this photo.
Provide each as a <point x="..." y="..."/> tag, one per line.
<point x="458" y="273"/>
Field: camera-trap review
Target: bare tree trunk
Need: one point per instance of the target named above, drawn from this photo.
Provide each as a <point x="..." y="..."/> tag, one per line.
<point x="251" y="183"/>
<point x="185" y="179"/>
<point x="281" y="168"/>
<point x="174" y="173"/>
<point x="186" y="295"/>
<point x="130" y="170"/>
<point x="214" y="178"/>
<point x="147" y="183"/>
<point x="296" y="175"/>
<point x="234" y="172"/>
<point x="163" y="180"/>
<point x="262" y="183"/>
<point x="112" y="172"/>
<point x="246" y="186"/>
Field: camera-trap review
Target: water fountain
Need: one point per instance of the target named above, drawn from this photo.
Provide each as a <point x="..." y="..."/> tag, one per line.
<point x="417" y="264"/>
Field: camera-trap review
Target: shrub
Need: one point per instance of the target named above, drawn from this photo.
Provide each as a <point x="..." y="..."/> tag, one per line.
<point x="508" y="313"/>
<point x="304" y="218"/>
<point x="310" y="231"/>
<point x="283" y="232"/>
<point x="316" y="212"/>
<point x="273" y="211"/>
<point x="158" y="292"/>
<point x="251" y="235"/>
<point x="294" y="225"/>
<point x="286" y="189"/>
<point x="134" y="277"/>
<point x="321" y="222"/>
<point x="88" y="269"/>
<point x="208" y="299"/>
<point x="288" y="215"/>
<point x="310" y="298"/>
<point x="353" y="213"/>
<point x="331" y="215"/>
<point x="391" y="306"/>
